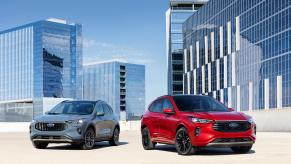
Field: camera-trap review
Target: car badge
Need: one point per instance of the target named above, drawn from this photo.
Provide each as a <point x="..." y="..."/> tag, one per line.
<point x="233" y="125"/>
<point x="50" y="125"/>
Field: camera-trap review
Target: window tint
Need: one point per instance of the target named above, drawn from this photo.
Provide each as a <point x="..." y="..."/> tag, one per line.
<point x="198" y="104"/>
<point x="73" y="107"/>
<point x="157" y="106"/>
<point x="99" y="108"/>
<point x="107" y="110"/>
<point x="167" y="104"/>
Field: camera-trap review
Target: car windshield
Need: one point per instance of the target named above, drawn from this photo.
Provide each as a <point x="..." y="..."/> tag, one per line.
<point x="74" y="108"/>
<point x="199" y="104"/>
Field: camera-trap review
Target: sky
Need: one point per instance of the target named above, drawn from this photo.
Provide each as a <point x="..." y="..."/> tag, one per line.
<point x="127" y="30"/>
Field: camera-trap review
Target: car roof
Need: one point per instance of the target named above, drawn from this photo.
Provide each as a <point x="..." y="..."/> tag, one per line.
<point x="190" y="96"/>
<point x="81" y="101"/>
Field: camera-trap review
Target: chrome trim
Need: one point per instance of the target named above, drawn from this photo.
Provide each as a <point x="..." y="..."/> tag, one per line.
<point x="52" y="140"/>
<point x="230" y="144"/>
<point x="229" y="120"/>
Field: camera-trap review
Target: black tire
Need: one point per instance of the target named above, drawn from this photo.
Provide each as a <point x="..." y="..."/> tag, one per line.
<point x="241" y="149"/>
<point x="40" y="145"/>
<point x="114" y="141"/>
<point x="89" y="139"/>
<point x="183" y="144"/>
<point x="146" y="140"/>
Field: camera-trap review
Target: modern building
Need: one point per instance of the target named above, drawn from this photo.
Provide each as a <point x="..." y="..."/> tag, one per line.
<point x="239" y="52"/>
<point x="177" y="13"/>
<point x="40" y="64"/>
<point x="120" y="84"/>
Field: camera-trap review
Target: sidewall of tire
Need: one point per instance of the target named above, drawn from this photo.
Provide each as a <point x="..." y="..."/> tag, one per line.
<point x="191" y="150"/>
<point x="150" y="145"/>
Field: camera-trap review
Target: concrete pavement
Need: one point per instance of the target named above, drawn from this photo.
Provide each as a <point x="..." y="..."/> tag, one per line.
<point x="16" y="148"/>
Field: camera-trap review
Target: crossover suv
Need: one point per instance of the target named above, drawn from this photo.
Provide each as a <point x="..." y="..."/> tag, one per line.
<point x="81" y="123"/>
<point x="192" y="122"/>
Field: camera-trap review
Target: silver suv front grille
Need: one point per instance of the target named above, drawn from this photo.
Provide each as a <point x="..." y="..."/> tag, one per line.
<point x="50" y="126"/>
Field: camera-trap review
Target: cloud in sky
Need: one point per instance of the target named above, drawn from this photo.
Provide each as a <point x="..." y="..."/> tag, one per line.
<point x="98" y="51"/>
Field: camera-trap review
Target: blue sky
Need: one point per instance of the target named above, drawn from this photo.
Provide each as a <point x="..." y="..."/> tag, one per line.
<point x="129" y="30"/>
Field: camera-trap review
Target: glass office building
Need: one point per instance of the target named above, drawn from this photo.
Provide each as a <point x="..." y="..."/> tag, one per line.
<point x="178" y="12"/>
<point x="122" y="85"/>
<point x="38" y="60"/>
<point x="239" y="52"/>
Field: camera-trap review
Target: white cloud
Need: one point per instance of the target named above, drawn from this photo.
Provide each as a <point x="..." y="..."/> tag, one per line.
<point x="99" y="51"/>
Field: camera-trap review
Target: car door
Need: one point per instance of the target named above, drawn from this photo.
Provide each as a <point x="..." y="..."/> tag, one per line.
<point x="109" y="120"/>
<point x="167" y="123"/>
<point x="154" y="117"/>
<point x="100" y="124"/>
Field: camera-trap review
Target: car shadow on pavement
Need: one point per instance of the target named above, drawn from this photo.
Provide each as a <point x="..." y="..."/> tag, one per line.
<point x="98" y="145"/>
<point x="202" y="151"/>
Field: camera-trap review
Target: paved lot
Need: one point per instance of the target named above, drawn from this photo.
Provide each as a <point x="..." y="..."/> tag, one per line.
<point x="17" y="148"/>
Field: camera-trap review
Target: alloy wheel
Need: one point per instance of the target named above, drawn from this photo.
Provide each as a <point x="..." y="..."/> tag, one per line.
<point x="89" y="139"/>
<point x="183" y="144"/>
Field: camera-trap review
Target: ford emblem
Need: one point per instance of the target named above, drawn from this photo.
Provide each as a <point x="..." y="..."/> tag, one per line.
<point x="233" y="125"/>
<point x="50" y="125"/>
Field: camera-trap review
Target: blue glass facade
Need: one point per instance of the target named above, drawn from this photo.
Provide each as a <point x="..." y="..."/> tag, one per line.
<point x="120" y="84"/>
<point x="178" y="12"/>
<point x="239" y="52"/>
<point x="37" y="60"/>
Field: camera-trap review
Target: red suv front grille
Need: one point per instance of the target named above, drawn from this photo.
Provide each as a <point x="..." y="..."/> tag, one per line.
<point x="231" y="126"/>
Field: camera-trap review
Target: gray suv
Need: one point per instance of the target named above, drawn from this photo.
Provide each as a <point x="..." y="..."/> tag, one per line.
<point x="80" y="123"/>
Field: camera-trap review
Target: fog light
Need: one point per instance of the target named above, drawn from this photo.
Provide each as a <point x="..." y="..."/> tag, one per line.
<point x="197" y="131"/>
<point x="79" y="130"/>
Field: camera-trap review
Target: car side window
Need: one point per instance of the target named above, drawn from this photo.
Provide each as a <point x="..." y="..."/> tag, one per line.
<point x="110" y="109"/>
<point x="167" y="104"/>
<point x="99" y="108"/>
<point x="157" y="107"/>
<point x="107" y="110"/>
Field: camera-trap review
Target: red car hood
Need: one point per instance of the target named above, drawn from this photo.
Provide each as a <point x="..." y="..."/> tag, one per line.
<point x="219" y="115"/>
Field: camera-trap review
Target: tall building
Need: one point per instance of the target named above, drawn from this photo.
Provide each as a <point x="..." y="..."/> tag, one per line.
<point x="120" y="84"/>
<point x="239" y="52"/>
<point x="40" y="63"/>
<point x="178" y="12"/>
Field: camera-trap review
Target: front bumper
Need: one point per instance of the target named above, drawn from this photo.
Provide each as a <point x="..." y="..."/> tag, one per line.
<point x="230" y="144"/>
<point x="208" y="137"/>
<point x="69" y="135"/>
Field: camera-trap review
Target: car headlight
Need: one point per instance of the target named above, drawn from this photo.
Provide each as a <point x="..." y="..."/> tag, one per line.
<point x="76" y="122"/>
<point x="32" y="121"/>
<point x="251" y="120"/>
<point x="200" y="120"/>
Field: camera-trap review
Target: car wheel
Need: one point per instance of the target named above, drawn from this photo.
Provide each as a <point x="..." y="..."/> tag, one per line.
<point x="39" y="145"/>
<point x="146" y="140"/>
<point x="89" y="139"/>
<point x="183" y="144"/>
<point x="241" y="149"/>
<point x="114" y="141"/>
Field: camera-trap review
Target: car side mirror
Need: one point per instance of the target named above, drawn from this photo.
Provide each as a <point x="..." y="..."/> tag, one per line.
<point x="168" y="111"/>
<point x="100" y="113"/>
<point x="231" y="109"/>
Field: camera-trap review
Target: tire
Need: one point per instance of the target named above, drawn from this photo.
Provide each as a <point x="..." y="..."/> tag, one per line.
<point x="183" y="144"/>
<point x="241" y="149"/>
<point x="40" y="145"/>
<point x="114" y="141"/>
<point x="89" y="139"/>
<point x="146" y="140"/>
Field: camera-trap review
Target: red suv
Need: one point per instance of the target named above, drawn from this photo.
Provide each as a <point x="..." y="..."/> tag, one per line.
<point x="191" y="122"/>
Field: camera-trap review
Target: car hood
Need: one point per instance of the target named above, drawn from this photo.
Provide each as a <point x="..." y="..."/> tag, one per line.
<point x="60" y="118"/>
<point x="219" y="115"/>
